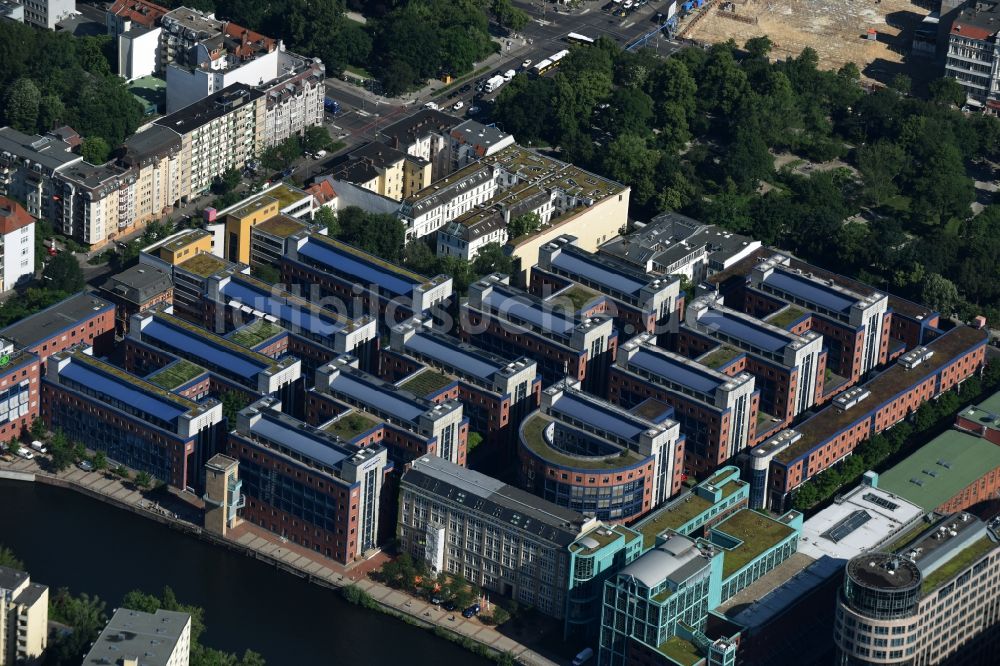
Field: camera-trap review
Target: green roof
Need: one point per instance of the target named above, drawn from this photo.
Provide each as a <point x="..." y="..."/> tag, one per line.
<point x="680" y="651"/>
<point x="286" y="195"/>
<point x="672" y="517"/>
<point x="966" y="458"/>
<point x="533" y="438"/>
<point x="992" y="403"/>
<point x="959" y="562"/>
<point x="719" y="356"/>
<point x="351" y="425"/>
<point x="579" y="296"/>
<point x="758" y="533"/>
<point x="203" y="264"/>
<point x="784" y="317"/>
<point x="280" y="226"/>
<point x="175" y="374"/>
<point x="426" y="382"/>
<point x="255" y="333"/>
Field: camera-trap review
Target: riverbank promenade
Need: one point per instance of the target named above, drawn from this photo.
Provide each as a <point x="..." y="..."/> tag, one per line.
<point x="183" y="511"/>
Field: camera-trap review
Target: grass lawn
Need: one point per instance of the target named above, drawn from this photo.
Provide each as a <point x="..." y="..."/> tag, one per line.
<point x="176" y="374"/>
<point x="253" y="334"/>
<point x="681" y="651"/>
<point x="350" y="426"/>
<point x="756" y="531"/>
<point x="426" y="382"/>
<point x="360" y="71"/>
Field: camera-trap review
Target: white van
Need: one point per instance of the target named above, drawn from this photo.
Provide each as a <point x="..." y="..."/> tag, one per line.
<point x="25" y="453"/>
<point x="508" y="75"/>
<point x="320" y="154"/>
<point x="586" y="654"/>
<point x="38" y="446"/>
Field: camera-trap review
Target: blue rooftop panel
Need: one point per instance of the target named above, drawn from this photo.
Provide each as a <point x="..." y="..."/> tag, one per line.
<point x="599" y="416"/>
<point x="598" y="272"/>
<point x="348" y="264"/>
<point x="291" y="316"/>
<point x="211" y="355"/>
<point x="298" y="441"/>
<point x="452" y="356"/>
<point x="809" y="291"/>
<point x="664" y="366"/>
<point x="384" y="401"/>
<point x="123" y="391"/>
<point x="737" y="328"/>
<point x="522" y="308"/>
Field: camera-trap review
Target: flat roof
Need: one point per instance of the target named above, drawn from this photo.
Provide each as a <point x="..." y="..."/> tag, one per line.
<point x="599" y="415"/>
<point x="831" y="419"/>
<point x="810" y="291"/>
<point x="941" y="468"/>
<point x="208" y="109"/>
<point x="485" y="495"/>
<point x="742" y="329"/>
<point x="342" y="259"/>
<point x="54" y="319"/>
<point x="526" y="308"/>
<point x="49" y="151"/>
<point x="443" y="351"/>
<point x="382" y="396"/>
<point x="151" y="637"/>
<point x="602" y="272"/>
<point x="420" y="124"/>
<point x="281" y="226"/>
<point x="660" y="363"/>
<point x="533" y="436"/>
<point x="204" y="264"/>
<point x="212" y="351"/>
<point x="175" y="374"/>
<point x="286" y="434"/>
<point x="757" y="531"/>
<point x="293" y="312"/>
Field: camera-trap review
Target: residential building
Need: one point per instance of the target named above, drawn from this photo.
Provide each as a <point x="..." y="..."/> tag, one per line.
<point x="589" y="456"/>
<point x="178" y="248"/>
<point x="507" y="321"/>
<point x="98" y="203"/>
<point x="789" y="368"/>
<point x="133" y="421"/>
<point x="24" y="618"/>
<point x="282" y="459"/>
<point x="785" y="461"/>
<point x="350" y="280"/>
<point x="162" y="170"/>
<point x="384" y="170"/>
<point x="294" y="98"/>
<point x="83" y="318"/>
<point x="280" y="200"/>
<point x="926" y="603"/>
<point x="640" y="304"/>
<point x="28" y="168"/>
<point x="972" y="58"/>
<point x="162" y="638"/>
<point x="412" y="426"/>
<point x="324" y="195"/>
<point x="123" y="15"/>
<point x="46" y="13"/>
<point x="462" y="522"/>
<point x="717" y="412"/>
<point x="136" y="290"/>
<point x="448" y="198"/>
<point x="20" y="399"/>
<point x="425" y="136"/>
<point x="12" y="11"/>
<point x="472" y="141"/>
<point x="673" y="244"/>
<point x="496" y="392"/>
<point x="17" y="244"/>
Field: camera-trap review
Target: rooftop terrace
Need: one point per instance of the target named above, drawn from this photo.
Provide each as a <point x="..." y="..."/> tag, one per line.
<point x="351" y="424"/>
<point x="255" y="333"/>
<point x="959" y="561"/>
<point x="681" y="651"/>
<point x="757" y="532"/>
<point x="786" y="316"/>
<point x="719" y="356"/>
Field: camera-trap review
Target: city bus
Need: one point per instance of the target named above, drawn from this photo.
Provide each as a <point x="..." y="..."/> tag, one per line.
<point x="549" y="63"/>
<point x="577" y="38"/>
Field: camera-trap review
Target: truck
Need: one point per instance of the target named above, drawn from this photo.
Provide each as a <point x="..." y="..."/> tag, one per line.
<point x="493" y="83"/>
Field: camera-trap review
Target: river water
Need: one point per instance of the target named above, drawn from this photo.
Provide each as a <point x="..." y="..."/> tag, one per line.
<point x="68" y="540"/>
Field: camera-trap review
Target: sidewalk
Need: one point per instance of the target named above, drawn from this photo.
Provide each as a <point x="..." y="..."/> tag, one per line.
<point x="184" y="512"/>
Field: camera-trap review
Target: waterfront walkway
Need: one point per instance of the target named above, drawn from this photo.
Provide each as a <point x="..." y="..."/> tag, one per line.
<point x="181" y="510"/>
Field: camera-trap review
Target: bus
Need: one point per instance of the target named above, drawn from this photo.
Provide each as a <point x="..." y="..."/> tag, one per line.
<point x="549" y="63"/>
<point x="577" y="38"/>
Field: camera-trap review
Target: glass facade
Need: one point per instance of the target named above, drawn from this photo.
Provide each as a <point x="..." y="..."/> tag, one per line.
<point x="604" y="502"/>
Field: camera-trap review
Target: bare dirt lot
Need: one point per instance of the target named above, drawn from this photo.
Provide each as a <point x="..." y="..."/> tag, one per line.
<point x="836" y="29"/>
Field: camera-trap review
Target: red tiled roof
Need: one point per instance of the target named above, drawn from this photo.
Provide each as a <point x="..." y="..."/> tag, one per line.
<point x="138" y="11"/>
<point x="970" y="31"/>
<point x="247" y="39"/>
<point x="323" y="192"/>
<point x="13" y="216"/>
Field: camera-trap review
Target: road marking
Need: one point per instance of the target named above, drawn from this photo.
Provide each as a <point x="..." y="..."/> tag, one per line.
<point x="362" y="112"/>
<point x="628" y="25"/>
<point x="541" y="22"/>
<point x="584" y="11"/>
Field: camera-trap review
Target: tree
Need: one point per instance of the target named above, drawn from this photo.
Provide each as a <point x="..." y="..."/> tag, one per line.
<point x="902" y="84"/>
<point x="881" y="164"/>
<point x="328" y="218"/>
<point x="947" y="90"/>
<point x="377" y="233"/>
<point x="95" y="150"/>
<point x="51" y="113"/>
<point x="527" y="223"/>
<point x="63" y="273"/>
<point x="473" y="441"/>
<point x="226" y="182"/>
<point x="143" y="479"/>
<point x="509" y="16"/>
<point x="940" y="293"/>
<point x="85" y="614"/>
<point x="232" y="403"/>
<point x="21" y="105"/>
<point x="500" y="615"/>
<point x="316" y="138"/>
<point x="13" y="446"/>
<point x="419" y="257"/>
<point x="9" y="560"/>
<point x="492" y="259"/>
<point x="38" y="429"/>
<point x="100" y="460"/>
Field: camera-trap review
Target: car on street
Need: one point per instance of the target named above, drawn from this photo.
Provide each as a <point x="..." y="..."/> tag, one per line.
<point x="25" y="453"/>
<point x="320" y="154"/>
<point x="526" y="63"/>
<point x="432" y="106"/>
<point x="471" y="611"/>
<point x="449" y="606"/>
<point x="458" y="105"/>
<point x="466" y="88"/>
<point x="38" y="446"/>
<point x="436" y="600"/>
<point x="86" y="465"/>
<point x="473" y="110"/>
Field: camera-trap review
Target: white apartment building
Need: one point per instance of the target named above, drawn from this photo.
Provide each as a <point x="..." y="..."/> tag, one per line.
<point x="162" y="638"/>
<point x="495" y="535"/>
<point x="46" y="13"/>
<point x="434" y="206"/>
<point x="24" y="618"/>
<point x="972" y="58"/>
<point x="17" y="243"/>
<point x="294" y="100"/>
<point x="28" y="165"/>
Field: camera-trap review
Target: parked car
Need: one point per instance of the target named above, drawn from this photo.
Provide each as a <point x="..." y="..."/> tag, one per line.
<point x="38" y="446"/>
<point x="458" y="105"/>
<point x="585" y="655"/>
<point x="471" y="611"/>
<point x="466" y="88"/>
<point x="449" y="606"/>
<point x="86" y="465"/>
<point x="432" y="106"/>
<point x="25" y="453"/>
<point x="320" y="154"/>
<point x="526" y="63"/>
<point x="473" y="110"/>
<point x="436" y="600"/>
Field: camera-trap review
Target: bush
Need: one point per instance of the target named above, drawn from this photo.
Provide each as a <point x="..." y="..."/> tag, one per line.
<point x="355" y="595"/>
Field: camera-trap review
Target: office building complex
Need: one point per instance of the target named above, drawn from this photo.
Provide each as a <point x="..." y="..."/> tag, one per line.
<point x="925" y="603"/>
<point x="24" y="618"/>
<point x="136" y="290"/>
<point x="132" y="420"/>
<point x="19" y="390"/>
<point x="717" y="413"/>
<point x="506" y="320"/>
<point x="306" y="484"/>
<point x="585" y="454"/>
<point x="80" y="319"/>
<point x="972" y="50"/>
<point x="790" y="458"/>
<point x="497" y="536"/>
<point x="162" y="638"/>
<point x="17" y="244"/>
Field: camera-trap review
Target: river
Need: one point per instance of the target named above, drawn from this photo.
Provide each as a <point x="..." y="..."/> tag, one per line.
<point x="68" y="540"/>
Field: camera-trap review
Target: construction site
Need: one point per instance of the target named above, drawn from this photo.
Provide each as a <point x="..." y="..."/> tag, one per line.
<point x="840" y="31"/>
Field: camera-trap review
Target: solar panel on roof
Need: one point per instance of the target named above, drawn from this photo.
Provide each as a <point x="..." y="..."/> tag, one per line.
<point x="809" y="291"/>
<point x="597" y="272"/>
<point x="122" y="391"/>
<point x="451" y="356"/>
<point x="847" y="525"/>
<point x="384" y="401"/>
<point x="739" y="329"/>
<point x="526" y="310"/>
<point x="880" y="501"/>
<point x="298" y="441"/>
<point x="599" y="416"/>
<point x="670" y="369"/>
<point x="209" y="355"/>
<point x="292" y="317"/>
<point x="343" y="263"/>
